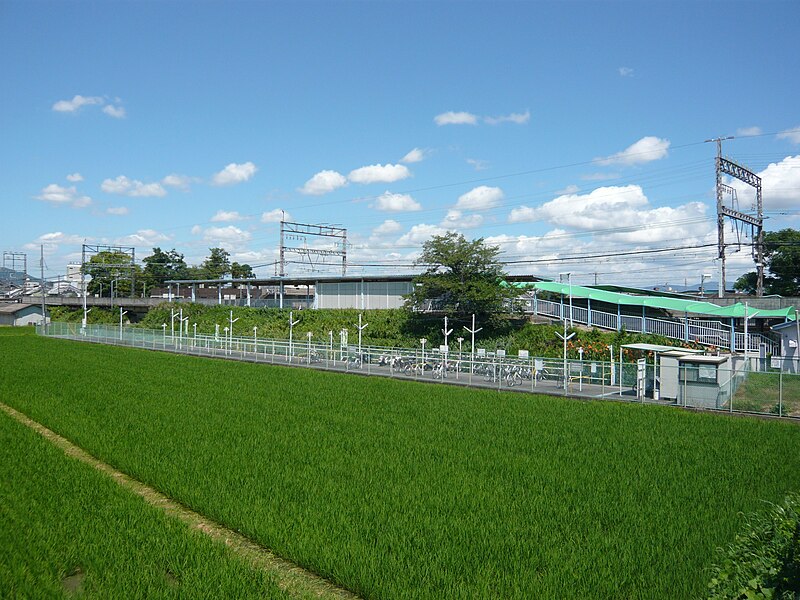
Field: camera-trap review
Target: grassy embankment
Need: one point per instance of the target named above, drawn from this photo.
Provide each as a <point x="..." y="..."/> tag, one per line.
<point x="406" y="490"/>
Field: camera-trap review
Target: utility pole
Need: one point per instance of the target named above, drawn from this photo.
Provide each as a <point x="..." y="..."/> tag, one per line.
<point x="724" y="166"/>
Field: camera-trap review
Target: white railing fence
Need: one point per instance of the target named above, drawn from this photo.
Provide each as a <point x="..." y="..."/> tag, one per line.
<point x="708" y="333"/>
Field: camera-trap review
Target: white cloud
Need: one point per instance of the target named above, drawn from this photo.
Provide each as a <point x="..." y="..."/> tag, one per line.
<point x="51" y="242"/>
<point x="379" y="174"/>
<point x="625" y="210"/>
<point x="124" y="186"/>
<point x="396" y="203"/>
<point x="82" y="202"/>
<point x="748" y="131"/>
<point x="57" y="194"/>
<point x="77" y="101"/>
<point x="518" y="118"/>
<point x="275" y="216"/>
<point x="117" y="210"/>
<point x="570" y="189"/>
<point x="478" y="164"/>
<point x="522" y="214"/>
<point x="231" y="237"/>
<point x="75" y="177"/>
<point x="647" y="149"/>
<point x="625" y="72"/>
<point x="235" y="173"/>
<point x="419" y="234"/>
<point x="118" y="112"/>
<point x="387" y="227"/>
<point x="177" y="181"/>
<point x="581" y="211"/>
<point x="324" y="182"/>
<point x="226" y="216"/>
<point x="793" y="135"/>
<point x="780" y="186"/>
<point x="143" y="237"/>
<point x="414" y="156"/>
<point x="196" y="230"/>
<point x="456" y="118"/>
<point x="455" y="219"/>
<point x="480" y="198"/>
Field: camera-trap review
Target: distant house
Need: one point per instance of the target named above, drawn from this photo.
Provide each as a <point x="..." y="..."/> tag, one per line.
<point x="15" y="314"/>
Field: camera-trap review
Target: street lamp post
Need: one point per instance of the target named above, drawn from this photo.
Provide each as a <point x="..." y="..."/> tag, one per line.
<point x="85" y="322"/>
<point x="565" y="337"/>
<point x="292" y="323"/>
<point x="360" y="329"/>
<point x="473" y="331"/>
<point x="121" y="313"/>
<point x="458" y="366"/>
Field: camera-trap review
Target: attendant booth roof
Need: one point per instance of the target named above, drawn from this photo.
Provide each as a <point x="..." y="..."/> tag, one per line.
<point x="679" y="305"/>
<point x="661" y="349"/>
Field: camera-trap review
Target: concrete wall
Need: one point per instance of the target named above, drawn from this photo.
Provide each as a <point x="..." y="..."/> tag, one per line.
<point x="765" y="302"/>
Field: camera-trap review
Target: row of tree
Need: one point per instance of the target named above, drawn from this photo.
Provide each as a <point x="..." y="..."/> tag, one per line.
<point x="113" y="272"/>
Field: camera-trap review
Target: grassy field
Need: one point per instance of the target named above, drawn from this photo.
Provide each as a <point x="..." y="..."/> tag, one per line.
<point x="67" y="529"/>
<point x="760" y="393"/>
<point x="405" y="490"/>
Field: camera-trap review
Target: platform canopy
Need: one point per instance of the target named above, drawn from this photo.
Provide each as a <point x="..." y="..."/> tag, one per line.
<point x="679" y="305"/>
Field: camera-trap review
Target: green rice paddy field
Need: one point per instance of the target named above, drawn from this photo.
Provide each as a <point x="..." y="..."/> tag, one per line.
<point x="399" y="489"/>
<point x="68" y="530"/>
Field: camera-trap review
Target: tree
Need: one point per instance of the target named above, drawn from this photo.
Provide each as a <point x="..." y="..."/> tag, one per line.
<point x="161" y="266"/>
<point x="462" y="278"/>
<point x="112" y="267"/>
<point x="244" y="271"/>
<point x="217" y="264"/>
<point x="782" y="260"/>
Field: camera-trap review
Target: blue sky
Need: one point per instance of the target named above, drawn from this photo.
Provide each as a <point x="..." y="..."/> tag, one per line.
<point x="559" y="131"/>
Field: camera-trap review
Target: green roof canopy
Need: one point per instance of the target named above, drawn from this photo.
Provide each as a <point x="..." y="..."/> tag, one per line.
<point x="674" y="304"/>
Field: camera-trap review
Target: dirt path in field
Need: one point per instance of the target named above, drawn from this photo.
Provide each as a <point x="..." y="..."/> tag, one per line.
<point x="293" y="579"/>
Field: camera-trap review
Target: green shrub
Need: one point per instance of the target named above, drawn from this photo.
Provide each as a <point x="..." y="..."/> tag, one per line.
<point x="764" y="559"/>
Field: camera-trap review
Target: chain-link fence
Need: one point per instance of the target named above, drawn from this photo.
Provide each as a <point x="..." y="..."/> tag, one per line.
<point x="718" y="383"/>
